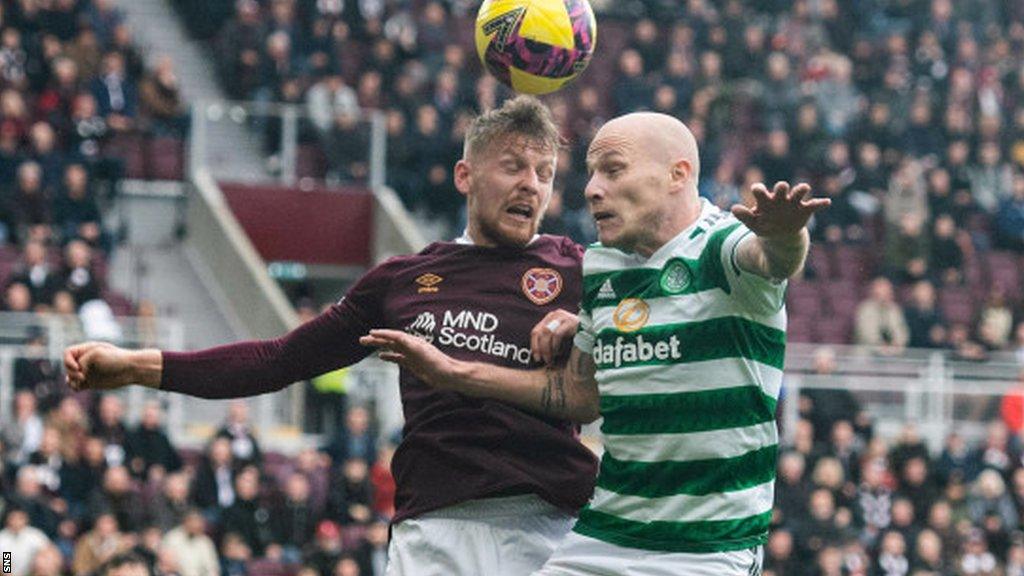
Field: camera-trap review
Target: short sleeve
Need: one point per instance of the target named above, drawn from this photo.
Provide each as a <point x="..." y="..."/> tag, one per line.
<point x="756" y="295"/>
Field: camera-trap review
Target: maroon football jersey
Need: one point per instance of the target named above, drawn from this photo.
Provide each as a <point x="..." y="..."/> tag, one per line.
<point x="472" y="302"/>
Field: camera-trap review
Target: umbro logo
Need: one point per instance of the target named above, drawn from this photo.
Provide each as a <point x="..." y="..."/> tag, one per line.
<point x="606" y="291"/>
<point x="428" y="282"/>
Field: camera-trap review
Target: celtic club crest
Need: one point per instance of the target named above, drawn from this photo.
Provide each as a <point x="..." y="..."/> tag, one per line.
<point x="675" y="277"/>
<point x="542" y="285"/>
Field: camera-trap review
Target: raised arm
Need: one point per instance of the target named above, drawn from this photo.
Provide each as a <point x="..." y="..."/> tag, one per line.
<point x="568" y="391"/>
<point x="778" y="220"/>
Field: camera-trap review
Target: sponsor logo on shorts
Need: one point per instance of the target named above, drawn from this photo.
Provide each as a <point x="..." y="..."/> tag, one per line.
<point x="428" y="282"/>
<point x="542" y="285"/>
<point x="631" y="315"/>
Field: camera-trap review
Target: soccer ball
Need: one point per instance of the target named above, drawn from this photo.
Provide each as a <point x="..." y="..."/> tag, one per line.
<point x="535" y="46"/>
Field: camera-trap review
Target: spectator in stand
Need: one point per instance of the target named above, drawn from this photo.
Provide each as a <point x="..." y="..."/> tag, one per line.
<point x="32" y="204"/>
<point x="372" y="552"/>
<point x="991" y="178"/>
<point x="1009" y="222"/>
<point x="195" y="552"/>
<point x="109" y="427"/>
<point x="235" y="556"/>
<point x="34" y="271"/>
<point x="823" y="407"/>
<point x="76" y="213"/>
<point x="117" y="496"/>
<point x="249" y="518"/>
<point x="213" y="486"/>
<point x="116" y="95"/>
<point x="879" y="320"/>
<point x="149" y="450"/>
<point x="245" y="449"/>
<point x="792" y="490"/>
<point x="326" y="548"/>
<point x="36" y="373"/>
<point x="357" y="439"/>
<point x="47" y="562"/>
<point x="351" y="494"/>
<point x="43" y="151"/>
<point x="170" y="505"/>
<point x="22" y="435"/>
<point x="295" y="519"/>
<point x="20" y="540"/>
<point x="161" y="102"/>
<point x="383" y="482"/>
<point x="947" y="256"/>
<point x="907" y="250"/>
<point x="995" y="321"/>
<point x="925" y="321"/>
<point x="100" y="545"/>
<point x="78" y="276"/>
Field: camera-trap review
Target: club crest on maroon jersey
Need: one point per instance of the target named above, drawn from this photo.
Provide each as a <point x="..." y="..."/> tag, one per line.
<point x="428" y="282"/>
<point x="542" y="285"/>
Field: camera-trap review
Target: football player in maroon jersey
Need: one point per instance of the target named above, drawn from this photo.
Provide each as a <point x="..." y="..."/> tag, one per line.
<point x="483" y="487"/>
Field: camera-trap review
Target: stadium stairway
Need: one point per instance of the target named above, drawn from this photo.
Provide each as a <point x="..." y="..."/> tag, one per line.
<point x="233" y="147"/>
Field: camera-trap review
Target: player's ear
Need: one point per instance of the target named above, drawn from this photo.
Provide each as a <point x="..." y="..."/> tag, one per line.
<point x="463" y="176"/>
<point x="682" y="172"/>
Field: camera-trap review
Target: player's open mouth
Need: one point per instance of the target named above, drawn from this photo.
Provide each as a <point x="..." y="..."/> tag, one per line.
<point x="601" y="216"/>
<point x="521" y="211"/>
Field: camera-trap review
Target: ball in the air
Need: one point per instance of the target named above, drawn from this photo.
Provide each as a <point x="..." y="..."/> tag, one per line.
<point x="535" y="46"/>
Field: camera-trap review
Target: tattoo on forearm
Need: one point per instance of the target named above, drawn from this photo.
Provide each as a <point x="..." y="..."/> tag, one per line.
<point x="552" y="397"/>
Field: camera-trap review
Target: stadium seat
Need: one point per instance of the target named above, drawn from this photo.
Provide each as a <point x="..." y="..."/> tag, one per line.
<point x="166" y="159"/>
<point x="852" y="263"/>
<point x="957" y="305"/>
<point x="310" y="162"/>
<point x="1004" y="272"/>
<point x="130" y="148"/>
<point x="833" y="329"/>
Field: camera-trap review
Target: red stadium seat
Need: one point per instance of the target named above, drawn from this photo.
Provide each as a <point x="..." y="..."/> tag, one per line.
<point x="166" y="159"/>
<point x="957" y="305"/>
<point x="310" y="162"/>
<point x="130" y="149"/>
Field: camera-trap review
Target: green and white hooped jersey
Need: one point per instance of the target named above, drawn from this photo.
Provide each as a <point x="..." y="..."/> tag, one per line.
<point x="689" y="352"/>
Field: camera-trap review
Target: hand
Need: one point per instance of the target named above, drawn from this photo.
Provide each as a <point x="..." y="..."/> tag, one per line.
<point x="98" y="366"/>
<point x="551" y="337"/>
<point x="780" y="212"/>
<point x="412" y="353"/>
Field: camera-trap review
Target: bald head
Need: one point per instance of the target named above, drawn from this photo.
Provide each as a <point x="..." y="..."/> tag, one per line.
<point x="659" y="136"/>
<point x="642" y="191"/>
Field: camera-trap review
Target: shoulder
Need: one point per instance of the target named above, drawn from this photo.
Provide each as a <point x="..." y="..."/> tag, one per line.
<point x="599" y="259"/>
<point x="558" y="246"/>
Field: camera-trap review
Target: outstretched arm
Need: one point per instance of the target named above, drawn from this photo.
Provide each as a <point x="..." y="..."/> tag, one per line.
<point x="779" y="223"/>
<point x="325" y="343"/>
<point x="568" y="391"/>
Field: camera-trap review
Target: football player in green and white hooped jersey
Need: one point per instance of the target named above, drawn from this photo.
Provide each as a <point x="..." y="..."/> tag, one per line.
<point x="679" y="348"/>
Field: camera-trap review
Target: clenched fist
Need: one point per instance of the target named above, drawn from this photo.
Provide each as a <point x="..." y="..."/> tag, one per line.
<point x="103" y="366"/>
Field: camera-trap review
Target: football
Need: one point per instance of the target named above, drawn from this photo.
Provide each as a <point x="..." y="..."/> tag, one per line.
<point x="535" y="46"/>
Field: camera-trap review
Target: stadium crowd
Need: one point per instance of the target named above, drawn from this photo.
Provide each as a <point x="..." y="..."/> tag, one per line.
<point x="79" y="488"/>
<point x="909" y="114"/>
<point x="79" y="111"/>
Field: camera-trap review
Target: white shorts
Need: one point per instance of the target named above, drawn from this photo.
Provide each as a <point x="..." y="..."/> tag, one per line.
<point x="584" y="556"/>
<point x="510" y="536"/>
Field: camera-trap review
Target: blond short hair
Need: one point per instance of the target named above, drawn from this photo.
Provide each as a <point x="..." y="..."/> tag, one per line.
<point x="523" y="116"/>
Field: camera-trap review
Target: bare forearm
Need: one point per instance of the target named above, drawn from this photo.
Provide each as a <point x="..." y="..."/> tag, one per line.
<point x="147" y="367"/>
<point x="775" y="257"/>
<point x="551" y="391"/>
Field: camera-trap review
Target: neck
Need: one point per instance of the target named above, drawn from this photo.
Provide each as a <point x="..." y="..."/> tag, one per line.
<point x="668" y="225"/>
